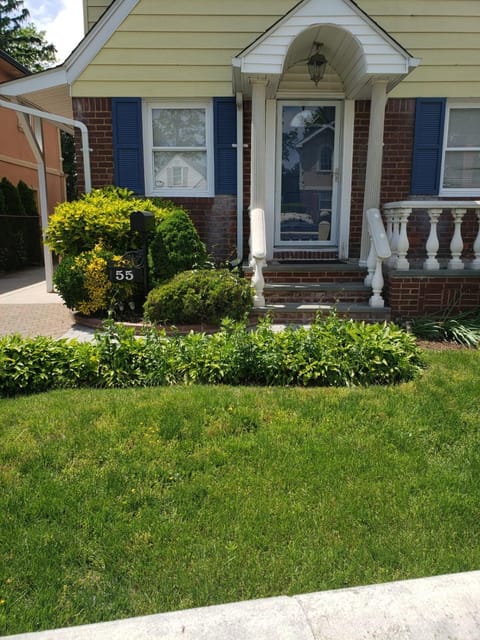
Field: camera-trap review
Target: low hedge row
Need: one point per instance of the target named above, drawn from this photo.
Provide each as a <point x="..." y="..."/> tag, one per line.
<point x="332" y="352"/>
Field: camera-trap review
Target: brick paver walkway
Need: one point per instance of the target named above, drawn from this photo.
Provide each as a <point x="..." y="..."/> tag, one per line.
<point x="31" y="320"/>
<point x="26" y="307"/>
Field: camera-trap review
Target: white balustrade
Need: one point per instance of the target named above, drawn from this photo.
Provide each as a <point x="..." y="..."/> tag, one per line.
<point x="433" y="245"/>
<point x="379" y="251"/>
<point x="403" y="244"/>
<point x="258" y="253"/>
<point x="397" y="216"/>
<point x="476" y="244"/>
<point x="456" y="245"/>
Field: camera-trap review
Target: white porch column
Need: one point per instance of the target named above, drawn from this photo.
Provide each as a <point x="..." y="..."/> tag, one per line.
<point x="257" y="173"/>
<point x="373" y="174"/>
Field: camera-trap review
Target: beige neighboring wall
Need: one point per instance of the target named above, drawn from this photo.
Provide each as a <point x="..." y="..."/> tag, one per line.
<point x="168" y="49"/>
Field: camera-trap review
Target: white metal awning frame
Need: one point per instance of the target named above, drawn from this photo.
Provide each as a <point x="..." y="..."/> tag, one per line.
<point x="34" y="135"/>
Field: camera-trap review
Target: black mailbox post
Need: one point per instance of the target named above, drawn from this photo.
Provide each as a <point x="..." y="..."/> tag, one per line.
<point x="142" y="222"/>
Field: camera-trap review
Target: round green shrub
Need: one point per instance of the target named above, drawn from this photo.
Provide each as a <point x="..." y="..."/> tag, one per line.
<point x="100" y="216"/>
<point x="176" y="246"/>
<point x="198" y="296"/>
<point x="82" y="281"/>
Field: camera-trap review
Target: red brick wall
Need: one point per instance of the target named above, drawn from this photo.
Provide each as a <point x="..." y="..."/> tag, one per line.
<point x="216" y="223"/>
<point x="397" y="158"/>
<point x="414" y="295"/>
<point x="360" y="144"/>
<point x="397" y="150"/>
<point x="96" y="113"/>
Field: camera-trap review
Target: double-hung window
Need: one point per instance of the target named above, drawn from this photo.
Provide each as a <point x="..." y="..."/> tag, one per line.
<point x="461" y="150"/>
<point x="179" y="149"/>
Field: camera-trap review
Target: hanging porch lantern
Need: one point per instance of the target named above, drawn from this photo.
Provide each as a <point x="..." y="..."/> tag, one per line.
<point x="316" y="65"/>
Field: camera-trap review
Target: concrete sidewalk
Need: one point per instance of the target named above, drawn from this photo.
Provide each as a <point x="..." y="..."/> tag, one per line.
<point x="438" y="608"/>
<point x="28" y="309"/>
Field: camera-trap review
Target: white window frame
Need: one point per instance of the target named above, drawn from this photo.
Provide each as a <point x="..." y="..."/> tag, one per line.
<point x="446" y="191"/>
<point x="177" y="192"/>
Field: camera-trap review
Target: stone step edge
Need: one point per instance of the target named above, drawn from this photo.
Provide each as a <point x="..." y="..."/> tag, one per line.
<point x="314" y="266"/>
<point x="341" y="307"/>
<point x="314" y="286"/>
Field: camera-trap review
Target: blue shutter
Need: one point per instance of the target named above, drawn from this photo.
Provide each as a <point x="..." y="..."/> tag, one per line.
<point x="128" y="143"/>
<point x="225" y="136"/>
<point x="428" y="145"/>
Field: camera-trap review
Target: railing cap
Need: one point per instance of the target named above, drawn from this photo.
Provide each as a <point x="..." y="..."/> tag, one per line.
<point x="433" y="204"/>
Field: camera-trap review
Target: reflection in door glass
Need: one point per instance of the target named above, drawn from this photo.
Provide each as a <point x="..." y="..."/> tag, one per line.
<point x="308" y="136"/>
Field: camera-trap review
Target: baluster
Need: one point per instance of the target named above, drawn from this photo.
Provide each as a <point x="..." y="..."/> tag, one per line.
<point x="476" y="244"/>
<point x="258" y="281"/>
<point x="392" y="261"/>
<point x="377" y="285"/>
<point x="456" y="245"/>
<point x="432" y="246"/>
<point x="371" y="263"/>
<point x="403" y="244"/>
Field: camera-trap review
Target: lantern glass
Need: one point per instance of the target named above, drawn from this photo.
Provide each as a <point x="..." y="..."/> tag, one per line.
<point x="316" y="67"/>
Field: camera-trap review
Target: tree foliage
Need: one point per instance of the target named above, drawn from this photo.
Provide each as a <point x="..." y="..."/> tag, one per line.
<point x="21" y="39"/>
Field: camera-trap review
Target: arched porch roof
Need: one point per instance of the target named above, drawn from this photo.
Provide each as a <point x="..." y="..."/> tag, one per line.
<point x="358" y="50"/>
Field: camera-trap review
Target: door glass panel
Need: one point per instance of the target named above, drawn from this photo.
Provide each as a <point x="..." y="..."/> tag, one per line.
<point x="308" y="137"/>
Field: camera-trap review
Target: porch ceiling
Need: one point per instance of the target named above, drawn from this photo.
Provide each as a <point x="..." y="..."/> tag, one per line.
<point x="356" y="48"/>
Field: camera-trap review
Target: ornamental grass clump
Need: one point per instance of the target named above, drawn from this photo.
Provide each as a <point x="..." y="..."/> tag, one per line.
<point x="463" y="329"/>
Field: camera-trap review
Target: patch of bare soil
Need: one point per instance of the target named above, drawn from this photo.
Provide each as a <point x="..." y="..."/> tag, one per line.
<point x="436" y="345"/>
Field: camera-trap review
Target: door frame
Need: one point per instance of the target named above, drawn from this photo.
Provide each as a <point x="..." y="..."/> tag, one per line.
<point x="313" y="244"/>
<point x="345" y="119"/>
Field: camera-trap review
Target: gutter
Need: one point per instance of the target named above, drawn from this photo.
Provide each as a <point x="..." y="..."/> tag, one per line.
<point x="239" y="146"/>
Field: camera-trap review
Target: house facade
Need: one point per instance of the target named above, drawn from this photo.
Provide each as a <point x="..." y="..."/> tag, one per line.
<point x="17" y="161"/>
<point x="311" y="113"/>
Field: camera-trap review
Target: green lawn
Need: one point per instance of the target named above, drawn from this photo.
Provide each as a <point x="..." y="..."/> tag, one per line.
<point x="119" y="503"/>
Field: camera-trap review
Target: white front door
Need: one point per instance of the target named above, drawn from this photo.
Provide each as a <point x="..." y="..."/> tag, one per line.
<point x="307" y="174"/>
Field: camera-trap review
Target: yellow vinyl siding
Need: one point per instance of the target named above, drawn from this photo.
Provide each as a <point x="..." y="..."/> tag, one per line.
<point x="205" y="34"/>
<point x="164" y="45"/>
<point x="92" y="10"/>
<point x="444" y="34"/>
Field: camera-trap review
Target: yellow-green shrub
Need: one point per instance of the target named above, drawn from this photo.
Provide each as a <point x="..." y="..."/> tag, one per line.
<point x="83" y="282"/>
<point x="100" y="216"/>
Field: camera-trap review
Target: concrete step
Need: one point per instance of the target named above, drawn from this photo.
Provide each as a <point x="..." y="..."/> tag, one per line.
<point x="276" y="292"/>
<point x="306" y="312"/>
<point x="314" y="273"/>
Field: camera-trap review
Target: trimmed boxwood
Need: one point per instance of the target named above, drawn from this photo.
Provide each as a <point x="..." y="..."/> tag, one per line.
<point x="176" y="246"/>
<point x="199" y="296"/>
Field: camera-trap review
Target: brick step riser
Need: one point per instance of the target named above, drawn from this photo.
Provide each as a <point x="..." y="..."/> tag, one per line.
<point x="312" y="277"/>
<point x="275" y="297"/>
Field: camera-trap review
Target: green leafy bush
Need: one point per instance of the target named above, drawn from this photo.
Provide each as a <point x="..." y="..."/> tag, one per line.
<point x="27" y="197"/>
<point x="82" y="281"/>
<point x="102" y="216"/>
<point x="31" y="365"/>
<point x="176" y="246"/>
<point x="13" y="203"/>
<point x="332" y="352"/>
<point x="3" y="208"/>
<point x="198" y="296"/>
